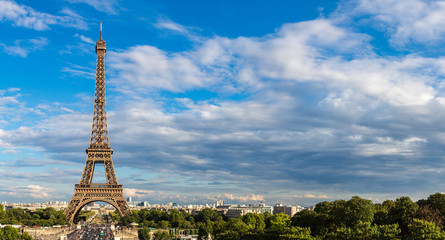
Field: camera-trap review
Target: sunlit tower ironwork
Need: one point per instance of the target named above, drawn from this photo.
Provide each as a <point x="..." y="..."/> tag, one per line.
<point x="99" y="152"/>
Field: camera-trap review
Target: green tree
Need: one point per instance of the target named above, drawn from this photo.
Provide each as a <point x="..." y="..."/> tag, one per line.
<point x="163" y="224"/>
<point x="208" y="214"/>
<point x="26" y="236"/>
<point x="115" y="216"/>
<point x="337" y="217"/>
<point x="357" y="210"/>
<point x="205" y="229"/>
<point x="176" y="218"/>
<point x="365" y="231"/>
<point x="279" y="221"/>
<point x="15" y="214"/>
<point x="266" y="215"/>
<point x="312" y="220"/>
<point x="326" y="213"/>
<point x="162" y="235"/>
<point x="402" y="213"/>
<point x="255" y="222"/>
<point x="9" y="233"/>
<point x="361" y="231"/>
<point x="250" y="221"/>
<point x="381" y="212"/>
<point x="296" y="233"/>
<point x="425" y="212"/>
<point x="127" y="219"/>
<point x="186" y="224"/>
<point x="3" y="215"/>
<point x="420" y="229"/>
<point x="324" y="207"/>
<point x="234" y="229"/>
<point x="144" y="233"/>
<point x="389" y="232"/>
<point x="342" y="233"/>
<point x="219" y="227"/>
<point x="403" y="210"/>
<point x="147" y="223"/>
<point x="437" y="201"/>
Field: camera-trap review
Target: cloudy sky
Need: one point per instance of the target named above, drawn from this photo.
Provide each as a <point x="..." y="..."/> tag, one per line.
<point x="254" y="101"/>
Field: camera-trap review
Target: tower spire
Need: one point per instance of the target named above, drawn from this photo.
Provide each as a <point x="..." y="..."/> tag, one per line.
<point x="100" y="30"/>
<point x="99" y="132"/>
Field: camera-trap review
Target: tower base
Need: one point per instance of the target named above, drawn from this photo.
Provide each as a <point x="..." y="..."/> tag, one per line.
<point x="87" y="193"/>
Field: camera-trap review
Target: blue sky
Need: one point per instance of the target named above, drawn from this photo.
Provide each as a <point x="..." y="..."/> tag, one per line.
<point x="292" y="101"/>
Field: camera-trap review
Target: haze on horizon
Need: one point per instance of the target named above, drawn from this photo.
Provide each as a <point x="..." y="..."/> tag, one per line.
<point x="250" y="102"/>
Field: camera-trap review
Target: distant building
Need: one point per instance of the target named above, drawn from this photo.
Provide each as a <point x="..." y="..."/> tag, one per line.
<point x="288" y="210"/>
<point x="219" y="203"/>
<point x="235" y="211"/>
<point x="142" y="204"/>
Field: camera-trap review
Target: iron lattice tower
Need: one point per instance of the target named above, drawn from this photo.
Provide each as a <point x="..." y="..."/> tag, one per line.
<point x="100" y="152"/>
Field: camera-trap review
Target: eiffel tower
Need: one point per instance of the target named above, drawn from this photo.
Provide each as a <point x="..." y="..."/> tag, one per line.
<point x="100" y="152"/>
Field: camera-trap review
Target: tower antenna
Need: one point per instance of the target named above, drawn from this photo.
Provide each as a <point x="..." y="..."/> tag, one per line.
<point x="100" y="29"/>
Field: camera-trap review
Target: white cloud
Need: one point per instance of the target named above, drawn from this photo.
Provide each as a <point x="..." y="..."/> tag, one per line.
<point x="310" y="195"/>
<point x="390" y="146"/>
<point x="418" y="21"/>
<point x="23" y="47"/>
<point x="149" y="67"/>
<point x="3" y="143"/>
<point x="24" y="16"/>
<point x="9" y="151"/>
<point x="13" y="89"/>
<point x="76" y="70"/>
<point x="295" y="54"/>
<point x="139" y="193"/>
<point x="85" y="39"/>
<point x="165" y="23"/>
<point x="34" y="191"/>
<point x="244" y="198"/>
<point x="303" y="52"/>
<point x="108" y="6"/>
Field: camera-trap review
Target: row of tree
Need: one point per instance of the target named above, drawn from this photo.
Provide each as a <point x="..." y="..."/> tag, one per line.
<point x="359" y="218"/>
<point x="10" y="233"/>
<point x="84" y="215"/>
<point x="40" y="217"/>
<point x="356" y="218"/>
<point x="144" y="234"/>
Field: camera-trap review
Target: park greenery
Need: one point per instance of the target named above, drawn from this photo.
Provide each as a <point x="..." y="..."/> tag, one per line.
<point x="39" y="217"/>
<point x="356" y="218"/>
<point x="10" y="233"/>
<point x="84" y="215"/>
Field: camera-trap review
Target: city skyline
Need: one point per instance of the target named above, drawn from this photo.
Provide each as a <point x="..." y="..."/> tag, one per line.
<point x="247" y="102"/>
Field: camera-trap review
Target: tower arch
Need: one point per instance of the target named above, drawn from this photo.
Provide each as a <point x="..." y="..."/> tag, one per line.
<point x="87" y="201"/>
